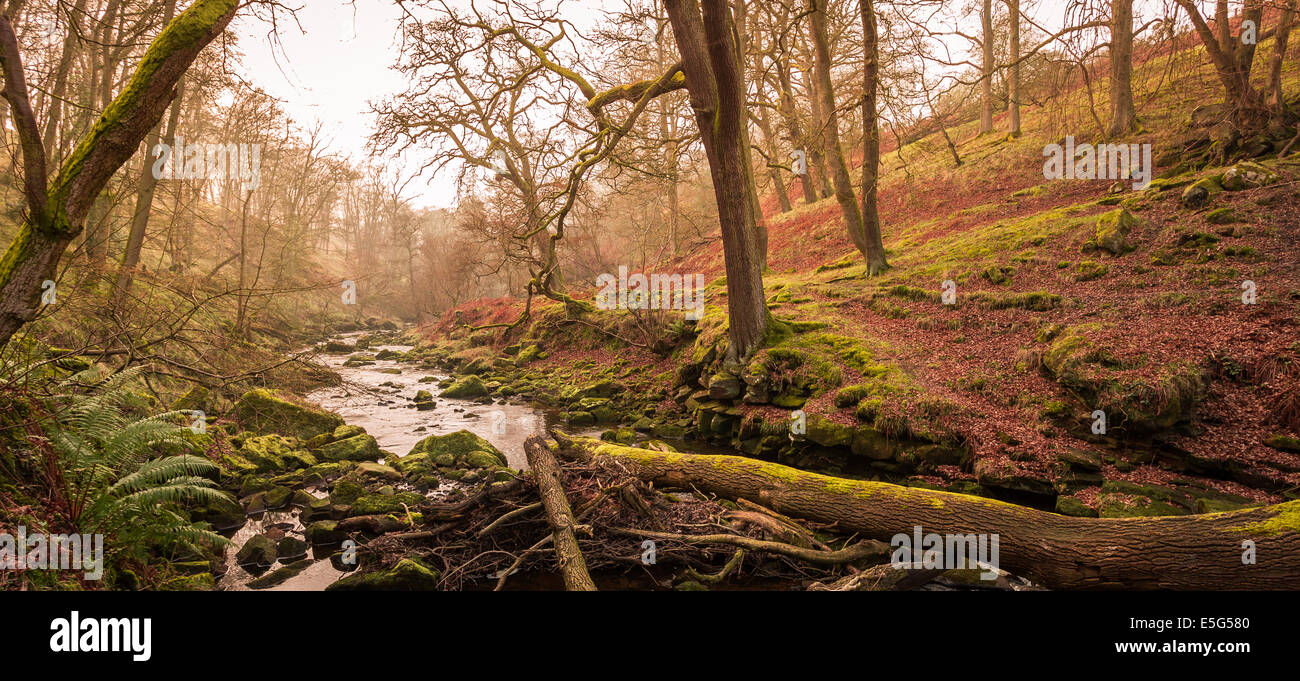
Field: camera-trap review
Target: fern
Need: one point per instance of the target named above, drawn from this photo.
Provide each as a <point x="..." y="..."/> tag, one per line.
<point x="114" y="464"/>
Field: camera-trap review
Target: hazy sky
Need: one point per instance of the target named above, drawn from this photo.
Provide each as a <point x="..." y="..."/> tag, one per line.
<point x="330" y="69"/>
<point x="341" y="59"/>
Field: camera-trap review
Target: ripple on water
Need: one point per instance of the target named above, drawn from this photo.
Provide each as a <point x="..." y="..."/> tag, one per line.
<point x="383" y="404"/>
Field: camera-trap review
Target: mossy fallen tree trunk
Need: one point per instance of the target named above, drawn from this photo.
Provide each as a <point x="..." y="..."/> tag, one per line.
<point x="1198" y="552"/>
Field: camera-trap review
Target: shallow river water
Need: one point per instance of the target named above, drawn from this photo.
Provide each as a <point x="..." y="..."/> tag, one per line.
<point x="379" y="398"/>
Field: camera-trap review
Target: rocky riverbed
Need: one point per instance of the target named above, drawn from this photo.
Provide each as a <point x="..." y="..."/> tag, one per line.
<point x="386" y="400"/>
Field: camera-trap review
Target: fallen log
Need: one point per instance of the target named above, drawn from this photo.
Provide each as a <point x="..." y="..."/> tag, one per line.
<point x="558" y="513"/>
<point x="1195" y="552"/>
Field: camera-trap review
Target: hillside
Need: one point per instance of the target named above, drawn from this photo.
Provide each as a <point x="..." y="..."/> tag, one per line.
<point x="1055" y="318"/>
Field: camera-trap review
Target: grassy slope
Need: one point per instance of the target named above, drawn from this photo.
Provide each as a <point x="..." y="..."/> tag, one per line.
<point x="1143" y="324"/>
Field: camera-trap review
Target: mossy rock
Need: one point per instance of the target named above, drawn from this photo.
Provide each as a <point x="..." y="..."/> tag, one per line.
<point x="579" y="418"/>
<point x="344" y="432"/>
<point x="324" y="532"/>
<point x="827" y="433"/>
<point x="1221" y="216"/>
<point x="528" y="355"/>
<point x="671" y="431"/>
<point x="1248" y="175"/>
<point x="377" y="504"/>
<point x="261" y="411"/>
<point x="622" y="436"/>
<point x="280" y="575"/>
<point x="346" y="492"/>
<point x="466" y="387"/>
<point x="1089" y="270"/>
<point x="1112" y="230"/>
<point x="1143" y="404"/>
<point x="355" y="448"/>
<point x="483" y="459"/>
<point x="291" y="548"/>
<point x="1200" y="192"/>
<point x="274" y="453"/>
<point x="1073" y="507"/>
<point x="369" y="470"/>
<point x="198" y="398"/>
<point x="222" y="516"/>
<point x="412" y="465"/>
<point x="325" y="472"/>
<point x="458" y="445"/>
<point x="409" y="574"/>
<point x="259" y="550"/>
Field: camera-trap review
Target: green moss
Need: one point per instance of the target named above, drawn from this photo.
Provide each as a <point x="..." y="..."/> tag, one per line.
<point x="458" y="445"/>
<point x="274" y="453"/>
<point x="261" y="411"/>
<point x="1286" y="520"/>
<point x="408" y="574"/>
<point x="1089" y="270"/>
<point x="1285" y="443"/>
<point x="466" y="387"/>
<point x="355" y="448"/>
<point x="1111" y="232"/>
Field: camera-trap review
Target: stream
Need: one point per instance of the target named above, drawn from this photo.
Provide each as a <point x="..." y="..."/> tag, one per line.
<point x="378" y="397"/>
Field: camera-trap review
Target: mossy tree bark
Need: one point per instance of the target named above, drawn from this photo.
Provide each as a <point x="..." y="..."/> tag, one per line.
<point x="705" y="38"/>
<point x="1061" y="552"/>
<point x="57" y="209"/>
<point x="1013" y="71"/>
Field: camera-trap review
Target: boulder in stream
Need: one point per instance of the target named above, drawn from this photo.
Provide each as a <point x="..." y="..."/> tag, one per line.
<point x="261" y="411"/>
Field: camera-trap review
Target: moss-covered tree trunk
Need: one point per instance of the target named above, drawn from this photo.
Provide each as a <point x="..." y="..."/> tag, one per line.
<point x="1178" y="552"/>
<point x="705" y="39"/>
<point x="56" y="210"/>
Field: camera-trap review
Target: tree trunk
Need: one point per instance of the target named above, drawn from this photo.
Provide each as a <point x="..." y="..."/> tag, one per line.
<point x="1232" y="63"/>
<point x="559" y="515"/>
<point x="871" y="233"/>
<point x="844" y="193"/>
<point x="145" y="188"/>
<point x="716" y="88"/>
<point x="795" y="130"/>
<point x="1286" y="22"/>
<point x="1013" y="78"/>
<point x="1123" y="116"/>
<point x="817" y="140"/>
<point x="35" y="251"/>
<point x="1199" y="552"/>
<point x="60" y="88"/>
<point x="986" y="80"/>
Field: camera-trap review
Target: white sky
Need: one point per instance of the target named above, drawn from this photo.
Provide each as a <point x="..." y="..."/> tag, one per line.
<point x="341" y="59"/>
